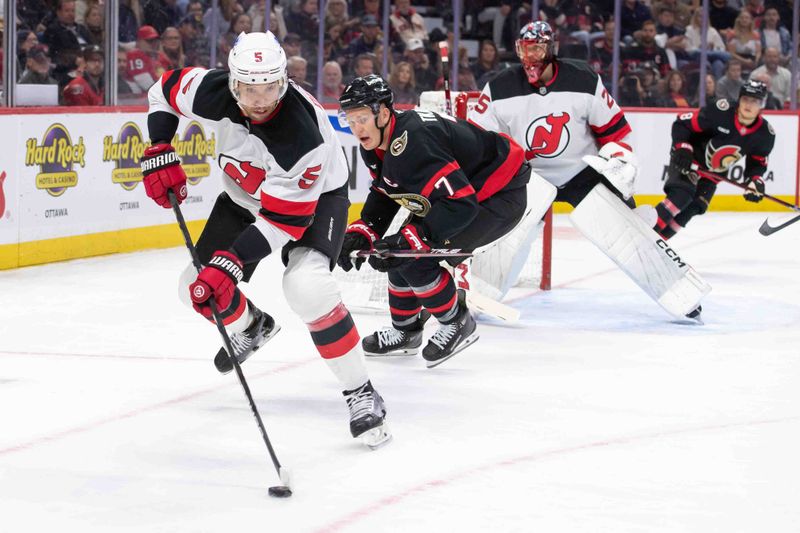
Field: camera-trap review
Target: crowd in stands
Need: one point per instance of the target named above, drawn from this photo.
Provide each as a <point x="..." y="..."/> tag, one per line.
<point x="60" y="42"/>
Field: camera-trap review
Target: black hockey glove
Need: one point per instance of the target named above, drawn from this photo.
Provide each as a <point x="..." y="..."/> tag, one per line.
<point x="681" y="158"/>
<point x="755" y="190"/>
<point x="409" y="237"/>
<point x="359" y="236"/>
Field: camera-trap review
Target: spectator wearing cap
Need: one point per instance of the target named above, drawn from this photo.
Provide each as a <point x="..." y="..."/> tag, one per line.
<point x="65" y="38"/>
<point x="425" y="73"/>
<point x="142" y="60"/>
<point x="297" y="70"/>
<point x="94" y="23"/>
<point x="161" y="14"/>
<point x="37" y="67"/>
<point x="368" y="40"/>
<point x="87" y="89"/>
<point x="291" y="45"/>
<point x="407" y="23"/>
<point x="332" y="86"/>
<point x="193" y="41"/>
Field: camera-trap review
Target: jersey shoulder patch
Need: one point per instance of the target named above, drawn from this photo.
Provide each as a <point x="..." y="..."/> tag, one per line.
<point x="723" y="104"/>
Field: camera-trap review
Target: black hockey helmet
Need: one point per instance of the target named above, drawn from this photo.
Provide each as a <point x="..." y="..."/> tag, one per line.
<point x="753" y="88"/>
<point x="368" y="91"/>
<point x="535" y="34"/>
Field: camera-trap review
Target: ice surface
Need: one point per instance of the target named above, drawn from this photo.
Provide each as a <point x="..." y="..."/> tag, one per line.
<point x="597" y="413"/>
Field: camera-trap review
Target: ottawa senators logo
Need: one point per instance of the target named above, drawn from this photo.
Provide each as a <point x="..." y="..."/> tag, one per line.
<point x="722" y="158"/>
<point x="416" y="203"/>
<point x="248" y="176"/>
<point x="547" y="136"/>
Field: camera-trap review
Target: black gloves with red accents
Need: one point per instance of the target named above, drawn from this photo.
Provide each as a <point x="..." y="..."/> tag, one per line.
<point x="755" y="189"/>
<point x="217" y="279"/>
<point x="410" y="237"/>
<point x="162" y="172"/>
<point x="359" y="236"/>
<point x="681" y="158"/>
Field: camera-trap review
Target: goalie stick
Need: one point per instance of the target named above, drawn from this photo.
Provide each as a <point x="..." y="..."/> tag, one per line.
<point x="766" y="228"/>
<point x="279" y="491"/>
<point x="448" y="104"/>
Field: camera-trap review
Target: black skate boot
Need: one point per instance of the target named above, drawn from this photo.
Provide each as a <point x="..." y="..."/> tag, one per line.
<point x="695" y="317"/>
<point x="260" y="330"/>
<point x="367" y="416"/>
<point x="391" y="341"/>
<point x="451" y="338"/>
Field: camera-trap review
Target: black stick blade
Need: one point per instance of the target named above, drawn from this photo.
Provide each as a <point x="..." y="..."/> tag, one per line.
<point x="280" y="491"/>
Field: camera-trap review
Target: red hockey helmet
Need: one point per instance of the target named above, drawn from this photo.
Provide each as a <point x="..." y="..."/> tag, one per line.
<point x="536" y="48"/>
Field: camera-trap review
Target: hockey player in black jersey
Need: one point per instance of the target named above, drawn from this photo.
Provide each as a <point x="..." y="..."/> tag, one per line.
<point x="713" y="139"/>
<point x="465" y="188"/>
<point x="285" y="192"/>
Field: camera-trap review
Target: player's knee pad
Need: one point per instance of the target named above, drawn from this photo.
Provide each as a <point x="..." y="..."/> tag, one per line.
<point x="186" y="278"/>
<point x="705" y="192"/>
<point x="309" y="285"/>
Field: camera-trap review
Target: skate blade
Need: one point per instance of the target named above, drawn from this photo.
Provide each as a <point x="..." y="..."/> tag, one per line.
<point x="395" y="353"/>
<point x="469" y="340"/>
<point x="376" y="437"/>
<point x="226" y="367"/>
<point x="686" y="321"/>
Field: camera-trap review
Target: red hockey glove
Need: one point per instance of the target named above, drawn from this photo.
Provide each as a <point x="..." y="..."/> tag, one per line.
<point x="162" y="171"/>
<point x="217" y="279"/>
<point x="409" y="237"/>
<point x="755" y="190"/>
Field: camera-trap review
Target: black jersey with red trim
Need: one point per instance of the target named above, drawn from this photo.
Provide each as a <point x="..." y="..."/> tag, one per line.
<point x="718" y="139"/>
<point x="557" y="122"/>
<point x="276" y="168"/>
<point x="439" y="168"/>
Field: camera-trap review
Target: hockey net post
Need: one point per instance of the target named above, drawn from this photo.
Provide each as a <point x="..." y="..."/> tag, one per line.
<point x="366" y="290"/>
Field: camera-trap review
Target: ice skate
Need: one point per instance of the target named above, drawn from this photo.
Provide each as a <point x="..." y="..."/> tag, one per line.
<point x="451" y="338"/>
<point x="367" y="416"/>
<point x="261" y="329"/>
<point x="390" y="341"/>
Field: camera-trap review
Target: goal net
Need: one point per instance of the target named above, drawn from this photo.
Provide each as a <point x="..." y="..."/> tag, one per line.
<point x="522" y="258"/>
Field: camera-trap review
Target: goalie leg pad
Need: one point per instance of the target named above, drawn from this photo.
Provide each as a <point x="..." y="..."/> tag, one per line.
<point x="642" y="254"/>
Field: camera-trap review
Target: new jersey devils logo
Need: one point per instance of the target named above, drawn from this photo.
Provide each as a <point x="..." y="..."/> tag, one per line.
<point x="248" y="176"/>
<point x="720" y="159"/>
<point x="2" y="194"/>
<point x="547" y="136"/>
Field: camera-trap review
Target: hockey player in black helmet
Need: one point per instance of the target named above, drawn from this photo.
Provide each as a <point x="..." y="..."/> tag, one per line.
<point x="713" y="139"/>
<point x="465" y="188"/>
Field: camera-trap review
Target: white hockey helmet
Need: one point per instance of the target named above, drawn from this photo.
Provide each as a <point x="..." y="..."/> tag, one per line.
<point x="257" y="58"/>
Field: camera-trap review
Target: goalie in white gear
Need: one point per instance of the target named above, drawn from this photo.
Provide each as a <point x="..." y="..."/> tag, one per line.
<point x="561" y="114"/>
<point x="285" y="190"/>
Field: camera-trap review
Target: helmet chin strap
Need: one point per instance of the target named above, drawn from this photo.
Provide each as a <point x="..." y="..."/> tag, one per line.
<point x="382" y="129"/>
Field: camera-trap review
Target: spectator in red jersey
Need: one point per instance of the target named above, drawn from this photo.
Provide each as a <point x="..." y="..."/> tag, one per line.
<point x="127" y="91"/>
<point x="142" y="60"/>
<point x="87" y="89"/>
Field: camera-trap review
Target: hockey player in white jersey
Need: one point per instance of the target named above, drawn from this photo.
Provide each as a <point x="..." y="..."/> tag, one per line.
<point x="577" y="138"/>
<point x="285" y="191"/>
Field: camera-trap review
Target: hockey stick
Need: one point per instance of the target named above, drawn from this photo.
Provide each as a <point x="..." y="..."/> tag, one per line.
<point x="766" y="228"/>
<point x="442" y="253"/>
<point x="280" y="491"/>
<point x="448" y="104"/>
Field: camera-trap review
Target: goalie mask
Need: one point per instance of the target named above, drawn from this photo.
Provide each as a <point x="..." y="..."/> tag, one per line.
<point x="535" y="48"/>
<point x="257" y="59"/>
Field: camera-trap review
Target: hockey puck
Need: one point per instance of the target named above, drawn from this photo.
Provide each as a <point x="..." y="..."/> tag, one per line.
<point x="280" y="491"/>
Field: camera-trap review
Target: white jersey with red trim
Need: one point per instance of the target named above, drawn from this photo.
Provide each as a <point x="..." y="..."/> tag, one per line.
<point x="558" y="122"/>
<point x="277" y="168"/>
